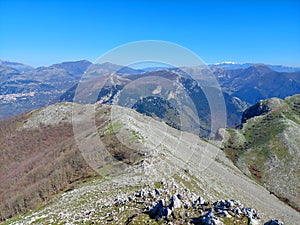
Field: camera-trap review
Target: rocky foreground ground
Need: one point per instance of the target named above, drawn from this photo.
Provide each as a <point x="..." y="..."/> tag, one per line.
<point x="160" y="203"/>
<point x="187" y="208"/>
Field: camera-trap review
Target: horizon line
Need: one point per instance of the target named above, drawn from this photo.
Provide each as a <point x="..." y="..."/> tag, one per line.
<point x="208" y="64"/>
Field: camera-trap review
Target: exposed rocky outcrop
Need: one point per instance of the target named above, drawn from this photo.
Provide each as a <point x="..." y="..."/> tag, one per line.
<point x="186" y="208"/>
<point x="274" y="222"/>
<point x="262" y="108"/>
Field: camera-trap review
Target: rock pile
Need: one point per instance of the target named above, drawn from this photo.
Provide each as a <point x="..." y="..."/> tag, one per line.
<point x="163" y="211"/>
<point x="210" y="212"/>
<point x="186" y="208"/>
<point x="209" y="218"/>
<point x="194" y="210"/>
<point x="160" y="211"/>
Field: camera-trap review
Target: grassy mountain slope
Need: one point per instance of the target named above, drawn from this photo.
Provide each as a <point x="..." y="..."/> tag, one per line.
<point x="40" y="158"/>
<point x="147" y="154"/>
<point x="267" y="147"/>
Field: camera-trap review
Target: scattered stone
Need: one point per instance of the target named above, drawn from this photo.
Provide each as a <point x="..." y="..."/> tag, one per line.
<point x="198" y="202"/>
<point x="156" y="209"/>
<point x="250" y="213"/>
<point x="152" y="194"/>
<point x="224" y="214"/>
<point x="229" y="204"/>
<point x="186" y="205"/>
<point x="175" y="202"/>
<point x="157" y="192"/>
<point x="115" y="218"/>
<point x="179" y="196"/>
<point x="139" y="194"/>
<point x="210" y="219"/>
<point x="165" y="213"/>
<point x="237" y="212"/>
<point x="274" y="222"/>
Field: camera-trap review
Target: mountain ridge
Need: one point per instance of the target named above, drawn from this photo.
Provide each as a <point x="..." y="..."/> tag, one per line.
<point x="235" y="65"/>
<point x="43" y="85"/>
<point x="266" y="146"/>
<point x="180" y="161"/>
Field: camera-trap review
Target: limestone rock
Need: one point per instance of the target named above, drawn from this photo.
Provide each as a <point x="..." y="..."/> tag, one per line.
<point x="274" y="222"/>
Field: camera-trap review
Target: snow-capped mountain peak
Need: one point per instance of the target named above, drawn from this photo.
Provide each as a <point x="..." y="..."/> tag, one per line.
<point x="227" y="62"/>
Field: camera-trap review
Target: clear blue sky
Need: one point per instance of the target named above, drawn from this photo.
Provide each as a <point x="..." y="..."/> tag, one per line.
<point x="46" y="32"/>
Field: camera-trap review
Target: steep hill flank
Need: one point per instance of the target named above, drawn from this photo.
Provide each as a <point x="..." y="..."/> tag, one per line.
<point x="40" y="158"/>
<point x="267" y="146"/>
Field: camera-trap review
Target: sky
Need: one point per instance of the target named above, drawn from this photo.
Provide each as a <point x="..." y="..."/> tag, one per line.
<point x="40" y="33"/>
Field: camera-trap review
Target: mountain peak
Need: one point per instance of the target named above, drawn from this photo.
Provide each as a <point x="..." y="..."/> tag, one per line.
<point x="262" y="107"/>
<point x="259" y="68"/>
<point x="72" y="63"/>
<point x="226" y="63"/>
<point x="15" y="65"/>
<point x="73" y="66"/>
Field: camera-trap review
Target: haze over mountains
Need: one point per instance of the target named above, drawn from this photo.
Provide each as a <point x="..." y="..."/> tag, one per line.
<point x="235" y="66"/>
<point x="24" y="88"/>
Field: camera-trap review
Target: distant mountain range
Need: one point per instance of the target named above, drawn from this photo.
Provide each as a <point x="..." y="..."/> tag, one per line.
<point x="235" y="66"/>
<point x="24" y="88"/>
<point x="18" y="67"/>
<point x="258" y="82"/>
